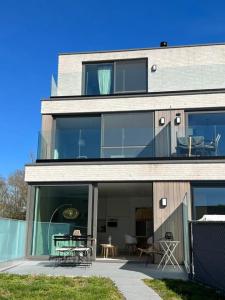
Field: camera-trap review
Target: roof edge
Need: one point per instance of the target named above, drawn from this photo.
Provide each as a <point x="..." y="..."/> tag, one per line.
<point x="141" y="49"/>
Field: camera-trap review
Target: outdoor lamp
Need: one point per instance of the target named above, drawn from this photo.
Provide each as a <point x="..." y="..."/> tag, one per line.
<point x="177" y="120"/>
<point x="163" y="202"/>
<point x="154" y="68"/>
<point x="162" y="121"/>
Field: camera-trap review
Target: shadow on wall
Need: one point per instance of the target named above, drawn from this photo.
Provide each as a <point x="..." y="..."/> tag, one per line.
<point x="163" y="141"/>
<point x="173" y="223"/>
<point x="160" y="146"/>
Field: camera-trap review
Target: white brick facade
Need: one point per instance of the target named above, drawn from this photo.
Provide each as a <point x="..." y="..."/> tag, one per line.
<point x="182" y="68"/>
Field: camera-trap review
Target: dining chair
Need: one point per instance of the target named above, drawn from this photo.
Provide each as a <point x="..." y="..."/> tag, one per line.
<point x="131" y="243"/>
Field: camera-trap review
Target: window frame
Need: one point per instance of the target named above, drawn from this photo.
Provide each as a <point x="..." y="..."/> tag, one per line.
<point x="71" y="116"/>
<point x="113" y="62"/>
<point x="202" y="184"/>
<point x="192" y="112"/>
<point x="200" y="112"/>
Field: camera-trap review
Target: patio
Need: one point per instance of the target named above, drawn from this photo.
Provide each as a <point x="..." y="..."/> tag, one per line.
<point x="127" y="275"/>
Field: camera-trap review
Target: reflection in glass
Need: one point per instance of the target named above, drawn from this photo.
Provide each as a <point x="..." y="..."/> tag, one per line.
<point x="211" y="127"/>
<point x="98" y="79"/>
<point x="131" y="76"/>
<point x="77" y="137"/>
<point x="128" y="135"/>
<point x="208" y="200"/>
<point x="116" y="77"/>
<point x="50" y="203"/>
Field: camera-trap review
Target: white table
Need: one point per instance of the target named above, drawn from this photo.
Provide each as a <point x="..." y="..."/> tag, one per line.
<point x="168" y="247"/>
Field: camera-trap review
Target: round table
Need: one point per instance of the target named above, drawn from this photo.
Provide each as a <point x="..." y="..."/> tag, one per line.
<point x="108" y="250"/>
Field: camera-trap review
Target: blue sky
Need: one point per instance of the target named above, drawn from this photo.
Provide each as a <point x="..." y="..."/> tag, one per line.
<point x="32" y="33"/>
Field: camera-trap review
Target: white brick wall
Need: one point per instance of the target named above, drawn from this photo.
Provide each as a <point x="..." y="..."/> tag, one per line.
<point x="199" y="67"/>
<point x="183" y="171"/>
<point x="134" y="104"/>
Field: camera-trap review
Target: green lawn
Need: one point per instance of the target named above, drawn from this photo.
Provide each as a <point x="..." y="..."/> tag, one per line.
<point x="54" y="288"/>
<point x="170" y="289"/>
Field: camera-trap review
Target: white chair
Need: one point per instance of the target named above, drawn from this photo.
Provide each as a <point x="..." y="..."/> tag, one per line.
<point x="150" y="241"/>
<point x="131" y="243"/>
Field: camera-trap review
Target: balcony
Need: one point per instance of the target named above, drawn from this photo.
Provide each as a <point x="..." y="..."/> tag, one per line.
<point x="132" y="143"/>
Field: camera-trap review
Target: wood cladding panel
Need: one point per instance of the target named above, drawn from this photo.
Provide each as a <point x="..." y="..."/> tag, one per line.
<point x="170" y="218"/>
<point x="166" y="135"/>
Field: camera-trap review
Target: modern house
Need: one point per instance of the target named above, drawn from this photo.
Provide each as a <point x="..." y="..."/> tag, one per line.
<point x="132" y="142"/>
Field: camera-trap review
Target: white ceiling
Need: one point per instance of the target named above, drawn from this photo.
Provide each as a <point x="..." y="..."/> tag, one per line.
<point x="134" y="189"/>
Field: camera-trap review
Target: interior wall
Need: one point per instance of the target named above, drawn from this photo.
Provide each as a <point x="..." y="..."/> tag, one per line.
<point x="119" y="201"/>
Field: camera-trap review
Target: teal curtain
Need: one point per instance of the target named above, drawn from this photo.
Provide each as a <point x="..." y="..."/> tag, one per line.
<point x="104" y="79"/>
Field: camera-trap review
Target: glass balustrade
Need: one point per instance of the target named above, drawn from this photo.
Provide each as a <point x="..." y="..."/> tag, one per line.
<point x="12" y="239"/>
<point x="201" y="141"/>
<point x="141" y="142"/>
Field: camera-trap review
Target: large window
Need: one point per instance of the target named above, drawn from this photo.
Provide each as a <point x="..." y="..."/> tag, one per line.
<point x="208" y="200"/>
<point x="51" y="215"/>
<point x="118" y="135"/>
<point x="77" y="137"/>
<point x="127" y="135"/>
<point x="125" y="76"/>
<point x="209" y="128"/>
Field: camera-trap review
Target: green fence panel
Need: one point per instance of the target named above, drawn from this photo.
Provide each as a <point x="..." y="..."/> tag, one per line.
<point x="12" y="239"/>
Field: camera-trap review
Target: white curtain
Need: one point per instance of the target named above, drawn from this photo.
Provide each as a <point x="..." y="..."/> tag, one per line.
<point x="104" y="79"/>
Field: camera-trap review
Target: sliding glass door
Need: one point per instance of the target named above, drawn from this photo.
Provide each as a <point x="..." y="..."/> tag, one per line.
<point x="77" y="137"/>
<point x="58" y="210"/>
<point x="127" y="135"/>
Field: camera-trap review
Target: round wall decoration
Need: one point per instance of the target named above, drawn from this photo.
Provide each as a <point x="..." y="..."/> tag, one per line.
<point x="70" y="213"/>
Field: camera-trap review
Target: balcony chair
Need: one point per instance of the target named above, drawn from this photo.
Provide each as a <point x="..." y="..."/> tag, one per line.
<point x="193" y="145"/>
<point x="212" y="146"/>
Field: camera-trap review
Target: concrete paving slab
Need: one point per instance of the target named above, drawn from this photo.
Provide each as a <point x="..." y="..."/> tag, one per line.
<point x="127" y="276"/>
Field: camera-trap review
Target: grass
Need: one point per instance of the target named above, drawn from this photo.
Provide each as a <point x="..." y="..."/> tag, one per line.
<point x="55" y="288"/>
<point x="169" y="289"/>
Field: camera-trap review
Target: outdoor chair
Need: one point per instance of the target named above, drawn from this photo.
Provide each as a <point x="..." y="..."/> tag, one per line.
<point x="150" y="241"/>
<point x="131" y="243"/>
<point x="151" y="251"/>
<point x="212" y="146"/>
<point x="191" y="145"/>
<point x="77" y="232"/>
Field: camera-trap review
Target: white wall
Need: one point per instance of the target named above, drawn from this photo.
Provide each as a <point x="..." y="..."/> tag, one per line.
<point x="182" y="68"/>
<point x="194" y="101"/>
<point x="122" y="209"/>
<point x="124" y="171"/>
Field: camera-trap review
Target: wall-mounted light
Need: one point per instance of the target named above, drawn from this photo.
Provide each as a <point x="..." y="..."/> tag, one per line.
<point x="162" y="121"/>
<point x="177" y="119"/>
<point x="163" y="202"/>
<point x="154" y="68"/>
